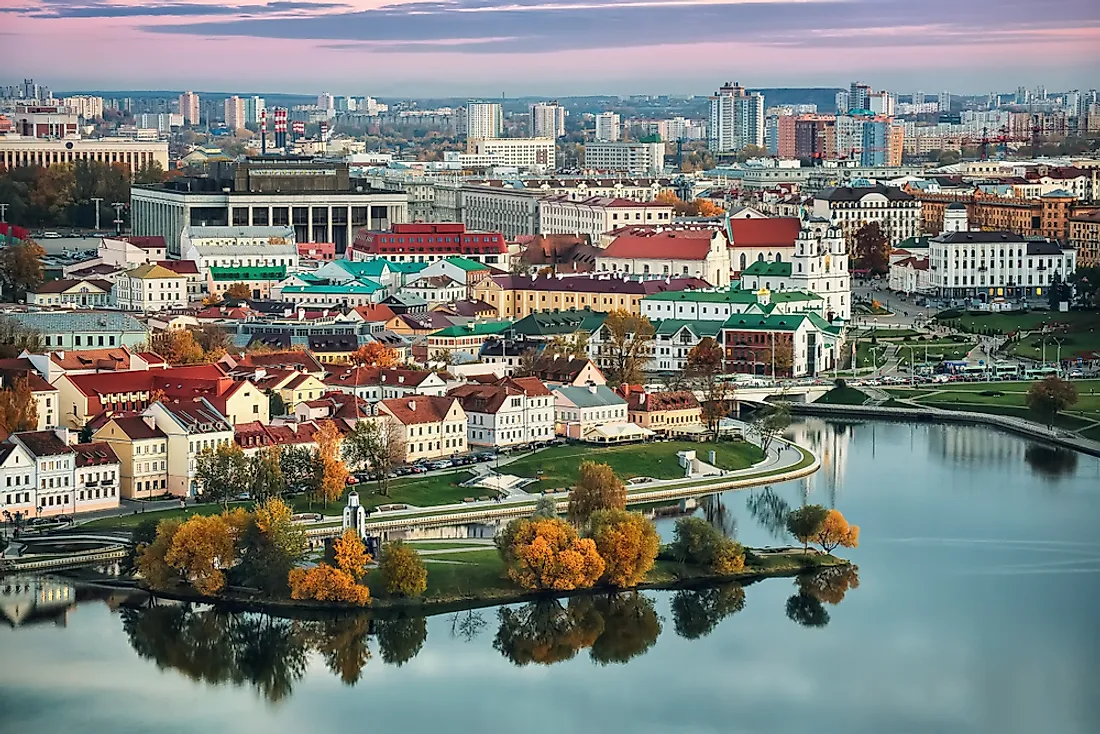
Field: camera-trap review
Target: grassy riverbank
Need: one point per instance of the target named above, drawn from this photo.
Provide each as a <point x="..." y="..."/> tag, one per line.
<point x="553" y="468"/>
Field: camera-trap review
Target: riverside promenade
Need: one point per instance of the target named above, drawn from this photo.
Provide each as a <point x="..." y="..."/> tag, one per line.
<point x="930" y="414"/>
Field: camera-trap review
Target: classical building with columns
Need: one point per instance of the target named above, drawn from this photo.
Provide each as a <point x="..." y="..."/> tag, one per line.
<point x="18" y="150"/>
<point x="315" y="197"/>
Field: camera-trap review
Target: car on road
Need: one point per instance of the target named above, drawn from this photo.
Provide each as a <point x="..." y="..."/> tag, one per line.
<point x="51" y="235"/>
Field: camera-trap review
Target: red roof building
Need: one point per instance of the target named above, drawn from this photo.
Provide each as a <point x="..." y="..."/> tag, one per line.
<point x="428" y="243"/>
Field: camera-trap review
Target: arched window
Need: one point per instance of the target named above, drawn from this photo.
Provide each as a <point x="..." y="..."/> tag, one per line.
<point x="744" y="264"/>
<point x="779" y="257"/>
<point x="760" y="258"/>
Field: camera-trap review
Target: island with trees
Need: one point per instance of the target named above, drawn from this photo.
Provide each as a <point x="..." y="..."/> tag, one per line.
<point x="261" y="557"/>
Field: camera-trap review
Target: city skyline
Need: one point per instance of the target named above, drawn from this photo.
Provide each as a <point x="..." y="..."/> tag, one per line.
<point x="537" y="47"/>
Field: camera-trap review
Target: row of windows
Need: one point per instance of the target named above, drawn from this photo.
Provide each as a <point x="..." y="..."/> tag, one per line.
<point x="49" y="483"/>
<point x="78" y="341"/>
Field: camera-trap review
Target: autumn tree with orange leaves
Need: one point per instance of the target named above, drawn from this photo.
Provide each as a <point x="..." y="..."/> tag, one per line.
<point x="325" y="583"/>
<point x="334" y="474"/>
<point x="374" y="354"/>
<point x="547" y="554"/>
<point x="628" y="544"/>
<point x="830" y="584"/>
<point x="836" y="531"/>
<point x="201" y="548"/>
<point x="177" y="346"/>
<point x="18" y="408"/>
<point x="351" y="555"/>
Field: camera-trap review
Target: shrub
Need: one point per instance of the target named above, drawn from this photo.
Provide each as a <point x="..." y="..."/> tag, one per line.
<point x="697" y="541"/>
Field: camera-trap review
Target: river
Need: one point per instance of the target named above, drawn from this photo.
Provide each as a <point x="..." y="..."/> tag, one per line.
<point x="975" y="611"/>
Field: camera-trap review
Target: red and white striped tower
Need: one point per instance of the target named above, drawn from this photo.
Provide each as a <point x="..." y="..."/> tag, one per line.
<point x="280" y="127"/>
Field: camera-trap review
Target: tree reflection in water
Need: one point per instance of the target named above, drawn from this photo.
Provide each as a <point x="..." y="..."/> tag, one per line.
<point x="217" y="646"/>
<point x="616" y="627"/>
<point x="827" y="586"/>
<point x="400" y="640"/>
<point x="718" y="516"/>
<point x="1050" y="461"/>
<point x="770" y="510"/>
<point x="696" y="612"/>
<point x="268" y="653"/>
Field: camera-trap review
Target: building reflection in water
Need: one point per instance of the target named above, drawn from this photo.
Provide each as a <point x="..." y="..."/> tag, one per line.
<point x="829" y="441"/>
<point x="975" y="445"/>
<point x="29" y="600"/>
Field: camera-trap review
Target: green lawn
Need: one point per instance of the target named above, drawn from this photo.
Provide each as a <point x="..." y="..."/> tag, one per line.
<point x="128" y="522"/>
<point x="440" y="489"/>
<point x="422" y="545"/>
<point x="557" y="468"/>
<point x="1093" y="433"/>
<point x="481" y="573"/>
<point x="908" y="393"/>
<point x="935" y="352"/>
<point x="882" y="333"/>
<point x="1017" y="320"/>
<point x="864" y="355"/>
<point x="843" y="396"/>
<point x="1062" y="420"/>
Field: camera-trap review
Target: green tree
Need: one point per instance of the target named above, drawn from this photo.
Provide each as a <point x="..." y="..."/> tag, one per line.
<point x="223" y="473"/>
<point x="770" y="422"/>
<point x="806" y="523"/>
<point x="275" y="404"/>
<point x="301" y="469"/>
<point x="1050" y="396"/>
<point x="697" y="541"/>
<point x="403" y="572"/>
<point x="265" y="475"/>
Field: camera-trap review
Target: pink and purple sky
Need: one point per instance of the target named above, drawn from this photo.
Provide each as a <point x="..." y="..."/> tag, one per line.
<point x="550" y="47"/>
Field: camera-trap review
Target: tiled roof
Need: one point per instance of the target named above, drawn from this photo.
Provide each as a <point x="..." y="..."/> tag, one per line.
<point x="55" y="322"/>
<point x="94" y="454"/>
<point x="155" y="242"/>
<point x="531" y="386"/>
<point x="856" y="193"/>
<point x="8" y="376"/>
<point x="106" y="383"/>
<point x="687" y="244"/>
<point x="255" y="433"/>
<point x="151" y="272"/>
<point x="589" y="397"/>
<point x="549" y="323"/>
<point x="655" y="402"/>
<point x="482" y="398"/>
<point x="419" y="408"/>
<point x="360" y="376"/>
<point x="136" y="428"/>
<point x="199" y="416"/>
<point x="376" y="312"/>
<point x="65" y="284"/>
<point x="559" y="369"/>
<point x="467" y="308"/>
<point x="765" y="233"/>
<point x="278" y="360"/>
<point x="332" y="342"/>
<point x="117" y="358"/>
<point x="43" y="443"/>
<point x="181" y="267"/>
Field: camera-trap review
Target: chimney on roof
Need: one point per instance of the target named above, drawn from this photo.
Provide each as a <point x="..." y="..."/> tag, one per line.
<point x="412" y="405"/>
<point x="592" y="388"/>
<point x="149" y="421"/>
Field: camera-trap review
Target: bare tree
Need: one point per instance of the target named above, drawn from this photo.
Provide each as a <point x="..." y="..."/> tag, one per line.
<point x="628" y="345"/>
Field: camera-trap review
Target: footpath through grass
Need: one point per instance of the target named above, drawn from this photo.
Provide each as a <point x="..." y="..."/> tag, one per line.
<point x="558" y="467"/>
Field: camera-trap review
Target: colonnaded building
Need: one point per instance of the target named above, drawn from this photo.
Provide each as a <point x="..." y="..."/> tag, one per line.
<point x="316" y="197"/>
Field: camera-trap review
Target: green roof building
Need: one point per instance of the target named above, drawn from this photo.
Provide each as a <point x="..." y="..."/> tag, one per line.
<point x="245" y="274"/>
<point x="553" y="323"/>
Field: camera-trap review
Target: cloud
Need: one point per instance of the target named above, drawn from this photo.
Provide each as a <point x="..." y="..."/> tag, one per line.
<point x="78" y="9"/>
<point x="525" y="26"/>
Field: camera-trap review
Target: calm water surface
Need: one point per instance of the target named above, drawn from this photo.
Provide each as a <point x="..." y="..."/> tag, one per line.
<point x="975" y="611"/>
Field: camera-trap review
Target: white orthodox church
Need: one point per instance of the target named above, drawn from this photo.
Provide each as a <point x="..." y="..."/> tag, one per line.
<point x="355" y="515"/>
<point x="819" y="265"/>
